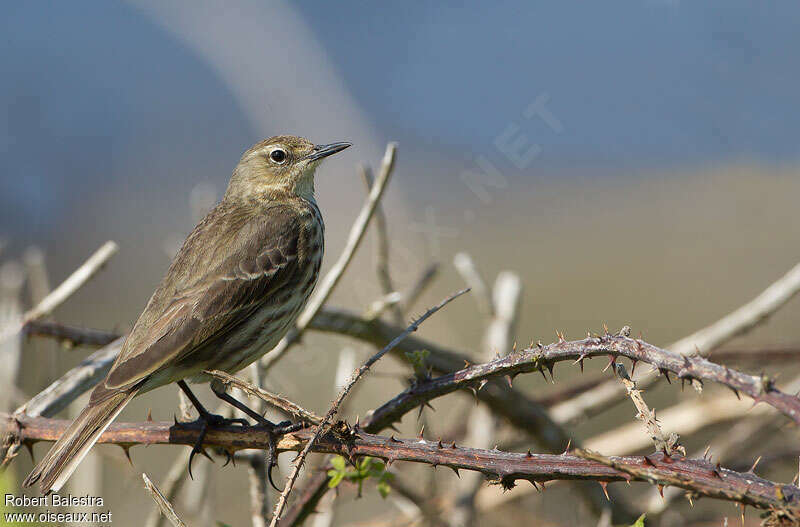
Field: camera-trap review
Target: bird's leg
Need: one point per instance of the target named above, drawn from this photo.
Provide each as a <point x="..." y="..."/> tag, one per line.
<point x="274" y="430"/>
<point x="206" y="419"/>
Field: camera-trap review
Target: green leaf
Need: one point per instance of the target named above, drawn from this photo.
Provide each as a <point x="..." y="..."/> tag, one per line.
<point x="639" y="522"/>
<point x="338" y="463"/>
<point x="336" y="478"/>
<point x="384" y="488"/>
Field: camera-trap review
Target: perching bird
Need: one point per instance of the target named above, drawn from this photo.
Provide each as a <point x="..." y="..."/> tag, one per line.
<point x="232" y="292"/>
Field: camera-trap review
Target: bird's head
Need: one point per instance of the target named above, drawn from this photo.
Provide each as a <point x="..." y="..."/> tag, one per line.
<point x="280" y="164"/>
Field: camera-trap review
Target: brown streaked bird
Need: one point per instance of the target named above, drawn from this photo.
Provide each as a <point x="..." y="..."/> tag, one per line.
<point x="232" y="292"/>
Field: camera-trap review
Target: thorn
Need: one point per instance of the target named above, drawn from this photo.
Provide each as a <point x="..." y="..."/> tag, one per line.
<point x="510" y="381"/>
<point x="665" y="373"/>
<point x="736" y="392"/>
<point x="453" y="446"/>
<point x="633" y="366"/>
<point x="127" y="450"/>
<point x="742" y="507"/>
<point x="455" y="469"/>
<point x="649" y="461"/>
<point x="551" y="366"/>
<point x="566" y="450"/>
<point x="149" y="415"/>
<point x="514" y="347"/>
<point x="689" y="497"/>
<point x="421" y="431"/>
<point x="604" y="484"/>
<point x="755" y="463"/>
<point x="705" y="453"/>
<point x="539" y="344"/>
<point x="660" y="490"/>
<point x="394" y="439"/>
<point x="541" y="370"/>
<point x="612" y="359"/>
<point x="625" y="331"/>
<point x="439" y="443"/>
<point x="483" y="383"/>
<point x="715" y="471"/>
<point x="466" y="364"/>
<point x="528" y="454"/>
<point x="579" y="360"/>
<point x="605" y="329"/>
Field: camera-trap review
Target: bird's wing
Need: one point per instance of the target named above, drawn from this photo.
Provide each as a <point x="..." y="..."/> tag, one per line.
<point x="227" y="268"/>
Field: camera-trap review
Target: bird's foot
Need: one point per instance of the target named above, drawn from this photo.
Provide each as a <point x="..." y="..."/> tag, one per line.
<point x="207" y="420"/>
<point x="274" y="432"/>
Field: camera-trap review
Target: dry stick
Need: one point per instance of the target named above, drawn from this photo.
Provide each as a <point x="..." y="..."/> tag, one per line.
<point x="466" y="267"/>
<point x="663" y="442"/>
<point x="298" y="463"/>
<point x="706" y="340"/>
<point x="162" y="502"/>
<point x="695" y="475"/>
<point x="12" y="279"/>
<point x="330" y="280"/>
<point x="382" y="248"/>
<point x="172" y="485"/>
<point x="502" y="305"/>
<point x="270" y="398"/>
<point x="74" y="282"/>
<point x="259" y="504"/>
<point x="70" y="335"/>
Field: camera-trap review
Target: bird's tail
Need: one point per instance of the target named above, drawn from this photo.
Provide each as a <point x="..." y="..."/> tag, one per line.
<point x="63" y="458"/>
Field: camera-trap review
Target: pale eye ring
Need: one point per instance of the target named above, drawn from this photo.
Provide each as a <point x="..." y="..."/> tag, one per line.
<point x="278" y="156"/>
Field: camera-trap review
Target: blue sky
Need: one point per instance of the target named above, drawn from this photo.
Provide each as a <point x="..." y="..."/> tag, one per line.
<point x="100" y="95"/>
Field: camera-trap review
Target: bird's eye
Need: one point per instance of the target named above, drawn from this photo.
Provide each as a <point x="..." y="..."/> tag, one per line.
<point x="278" y="155"/>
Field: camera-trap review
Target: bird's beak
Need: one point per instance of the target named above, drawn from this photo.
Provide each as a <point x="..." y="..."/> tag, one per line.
<point x="320" y="151"/>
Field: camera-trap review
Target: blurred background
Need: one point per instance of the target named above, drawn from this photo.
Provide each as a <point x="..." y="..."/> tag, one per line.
<point x="634" y="163"/>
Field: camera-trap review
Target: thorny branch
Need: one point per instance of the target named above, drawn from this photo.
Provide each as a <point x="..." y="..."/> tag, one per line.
<point x="700" y="477"/>
<point x="541" y="357"/>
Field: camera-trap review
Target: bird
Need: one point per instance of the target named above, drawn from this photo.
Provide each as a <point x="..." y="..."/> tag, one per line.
<point x="232" y="291"/>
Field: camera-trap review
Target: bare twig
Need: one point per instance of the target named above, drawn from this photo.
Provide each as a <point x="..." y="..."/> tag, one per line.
<point x="71" y="335"/>
<point x="663" y="442"/>
<point x="172" y="485"/>
<point x="270" y="398"/>
<point x="74" y="282"/>
<point x="382" y="248"/>
<point x="298" y="464"/>
<point x="697" y="476"/>
<point x="328" y="283"/>
<point x="703" y="342"/>
<point x="259" y="505"/>
<point x="466" y="267"/>
<point x="166" y="507"/>
<point x="420" y="285"/>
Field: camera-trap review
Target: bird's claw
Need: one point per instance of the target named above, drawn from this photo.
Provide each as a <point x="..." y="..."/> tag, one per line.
<point x="274" y="431"/>
<point x="208" y="420"/>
